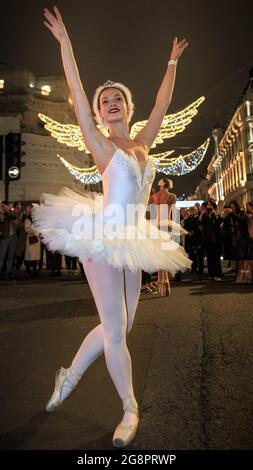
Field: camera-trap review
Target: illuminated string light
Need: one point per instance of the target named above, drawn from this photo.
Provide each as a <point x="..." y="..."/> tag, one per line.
<point x="174" y="167"/>
<point x="84" y="175"/>
<point x="162" y="155"/>
<point x="172" y="123"/>
<point x="71" y="135"/>
<point x="184" y="163"/>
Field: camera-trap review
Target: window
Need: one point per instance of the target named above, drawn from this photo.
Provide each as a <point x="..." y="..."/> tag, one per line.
<point x="248" y="108"/>
<point x="45" y="90"/>
<point x="250" y="134"/>
<point x="250" y="163"/>
<point x="239" y="142"/>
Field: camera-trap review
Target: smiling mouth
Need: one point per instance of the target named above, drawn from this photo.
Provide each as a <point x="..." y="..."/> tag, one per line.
<point x="114" y="110"/>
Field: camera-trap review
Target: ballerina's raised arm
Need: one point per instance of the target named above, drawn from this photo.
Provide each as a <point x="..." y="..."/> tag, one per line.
<point x="149" y="132"/>
<point x="95" y="141"/>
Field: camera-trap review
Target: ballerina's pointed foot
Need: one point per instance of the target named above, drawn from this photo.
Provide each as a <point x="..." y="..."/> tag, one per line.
<point x="125" y="433"/>
<point x="164" y="289"/>
<point x="65" y="381"/>
<point x="167" y="290"/>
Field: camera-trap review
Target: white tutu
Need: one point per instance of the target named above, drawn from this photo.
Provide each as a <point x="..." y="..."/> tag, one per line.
<point x="140" y="246"/>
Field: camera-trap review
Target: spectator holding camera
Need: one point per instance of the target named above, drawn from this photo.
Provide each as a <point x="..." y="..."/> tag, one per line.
<point x="210" y="222"/>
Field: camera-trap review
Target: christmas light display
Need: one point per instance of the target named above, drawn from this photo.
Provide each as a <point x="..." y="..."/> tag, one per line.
<point x="174" y="167"/>
<point x="85" y="175"/>
<point x="173" y="124"/>
<point x="184" y="163"/>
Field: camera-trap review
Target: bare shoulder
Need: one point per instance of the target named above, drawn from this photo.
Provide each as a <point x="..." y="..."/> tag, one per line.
<point x="172" y="198"/>
<point x="102" y="151"/>
<point x="154" y="198"/>
<point x="141" y="143"/>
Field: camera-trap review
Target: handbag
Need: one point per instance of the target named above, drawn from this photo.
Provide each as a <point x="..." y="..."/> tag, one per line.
<point x="244" y="273"/>
<point x="33" y="239"/>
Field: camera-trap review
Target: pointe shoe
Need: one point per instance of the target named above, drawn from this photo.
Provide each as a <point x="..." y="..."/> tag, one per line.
<point x="164" y="289"/>
<point x="67" y="378"/>
<point x="124" y="434"/>
<point x="167" y="289"/>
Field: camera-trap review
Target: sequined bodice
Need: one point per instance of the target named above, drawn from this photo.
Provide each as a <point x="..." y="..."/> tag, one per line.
<point x="123" y="181"/>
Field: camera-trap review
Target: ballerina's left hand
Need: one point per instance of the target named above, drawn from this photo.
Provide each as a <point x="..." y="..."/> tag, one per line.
<point x="178" y="48"/>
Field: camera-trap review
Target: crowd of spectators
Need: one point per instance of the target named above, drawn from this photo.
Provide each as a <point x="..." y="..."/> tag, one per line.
<point x="21" y="247"/>
<point x="212" y="234"/>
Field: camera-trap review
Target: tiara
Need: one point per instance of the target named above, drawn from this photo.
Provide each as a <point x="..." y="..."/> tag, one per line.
<point x="107" y="84"/>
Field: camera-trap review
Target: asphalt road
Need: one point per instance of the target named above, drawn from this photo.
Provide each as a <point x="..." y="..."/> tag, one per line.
<point x="192" y="363"/>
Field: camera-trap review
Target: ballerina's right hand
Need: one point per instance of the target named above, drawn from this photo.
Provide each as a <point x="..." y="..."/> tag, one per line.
<point x="55" y="24"/>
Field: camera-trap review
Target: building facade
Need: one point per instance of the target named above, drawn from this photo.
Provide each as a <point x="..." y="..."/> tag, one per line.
<point x="22" y="97"/>
<point x="230" y="171"/>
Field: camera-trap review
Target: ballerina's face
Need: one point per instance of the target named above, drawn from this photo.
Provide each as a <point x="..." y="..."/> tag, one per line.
<point x="112" y="105"/>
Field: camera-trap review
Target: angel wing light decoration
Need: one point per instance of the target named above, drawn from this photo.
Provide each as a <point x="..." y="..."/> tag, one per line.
<point x="173" y="124"/>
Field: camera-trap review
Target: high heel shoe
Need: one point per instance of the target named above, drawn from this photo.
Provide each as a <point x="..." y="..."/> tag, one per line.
<point x="124" y="434"/>
<point x="64" y="379"/>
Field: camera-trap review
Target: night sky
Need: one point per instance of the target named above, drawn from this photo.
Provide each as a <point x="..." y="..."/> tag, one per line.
<point x="130" y="41"/>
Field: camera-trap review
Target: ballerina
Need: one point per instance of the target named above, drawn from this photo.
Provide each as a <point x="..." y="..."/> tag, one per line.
<point x="112" y="264"/>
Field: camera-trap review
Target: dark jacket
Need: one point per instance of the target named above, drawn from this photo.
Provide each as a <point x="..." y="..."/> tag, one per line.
<point x="8" y="224"/>
<point x="211" y="228"/>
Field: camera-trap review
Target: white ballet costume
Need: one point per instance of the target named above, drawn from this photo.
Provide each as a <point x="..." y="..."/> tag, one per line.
<point x="113" y="267"/>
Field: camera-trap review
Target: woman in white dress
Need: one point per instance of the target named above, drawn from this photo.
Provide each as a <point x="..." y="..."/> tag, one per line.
<point x="112" y="264"/>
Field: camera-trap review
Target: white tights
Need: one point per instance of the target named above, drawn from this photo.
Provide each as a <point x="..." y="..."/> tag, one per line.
<point x="116" y="294"/>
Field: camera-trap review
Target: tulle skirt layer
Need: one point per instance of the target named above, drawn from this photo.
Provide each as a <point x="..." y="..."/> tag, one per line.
<point x="73" y="224"/>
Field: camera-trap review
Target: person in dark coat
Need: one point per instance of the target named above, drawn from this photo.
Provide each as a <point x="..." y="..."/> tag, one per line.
<point x="210" y="222"/>
<point x="193" y="241"/>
